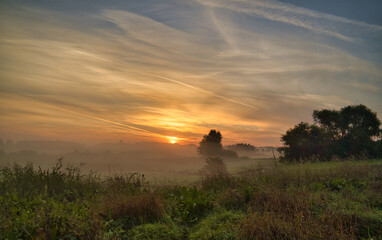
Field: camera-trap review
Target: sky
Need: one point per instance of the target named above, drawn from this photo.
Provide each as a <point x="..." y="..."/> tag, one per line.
<point x="171" y="70"/>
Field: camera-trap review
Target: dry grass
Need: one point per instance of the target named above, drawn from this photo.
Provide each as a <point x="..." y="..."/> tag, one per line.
<point x="277" y="214"/>
<point x="136" y="209"/>
<point x="270" y="225"/>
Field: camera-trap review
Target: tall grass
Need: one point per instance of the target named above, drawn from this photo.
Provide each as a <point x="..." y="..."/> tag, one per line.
<point x="332" y="200"/>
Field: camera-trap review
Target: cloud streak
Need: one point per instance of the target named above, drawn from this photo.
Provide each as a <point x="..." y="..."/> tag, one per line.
<point x="174" y="71"/>
<point x="300" y="17"/>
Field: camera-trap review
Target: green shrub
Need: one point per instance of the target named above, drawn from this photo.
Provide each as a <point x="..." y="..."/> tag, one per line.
<point x="188" y="205"/>
<point x="218" y="226"/>
<point x="46" y="219"/>
<point x="337" y="184"/>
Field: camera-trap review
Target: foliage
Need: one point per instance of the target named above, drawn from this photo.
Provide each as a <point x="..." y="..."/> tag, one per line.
<point x="344" y="133"/>
<point x="188" y="205"/>
<point x="303" y="141"/>
<point x="241" y="147"/>
<point x="211" y="145"/>
<point x="59" y="182"/>
<point x="323" y="200"/>
<point x="24" y="218"/>
<point x="218" y="226"/>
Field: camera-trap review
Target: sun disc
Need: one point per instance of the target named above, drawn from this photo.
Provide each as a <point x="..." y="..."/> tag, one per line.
<point x="172" y="140"/>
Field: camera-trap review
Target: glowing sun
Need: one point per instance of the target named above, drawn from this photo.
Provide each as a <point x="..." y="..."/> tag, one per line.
<point x="173" y="140"/>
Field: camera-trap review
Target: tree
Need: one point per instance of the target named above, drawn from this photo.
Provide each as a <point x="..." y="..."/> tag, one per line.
<point x="347" y="132"/>
<point x="211" y="145"/>
<point x="241" y="147"/>
<point x="215" y="167"/>
<point x="351" y="129"/>
<point x="330" y="121"/>
<point x="302" y="142"/>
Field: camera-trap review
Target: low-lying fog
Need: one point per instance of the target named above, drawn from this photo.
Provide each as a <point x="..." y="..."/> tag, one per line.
<point x="156" y="160"/>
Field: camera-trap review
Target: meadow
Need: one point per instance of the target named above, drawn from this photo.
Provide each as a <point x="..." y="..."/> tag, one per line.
<point x="252" y="200"/>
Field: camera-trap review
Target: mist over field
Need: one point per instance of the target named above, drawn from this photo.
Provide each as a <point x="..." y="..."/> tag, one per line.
<point x="156" y="160"/>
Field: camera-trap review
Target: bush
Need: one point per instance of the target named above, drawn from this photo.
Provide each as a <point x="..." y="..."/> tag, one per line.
<point x="218" y="226"/>
<point x="47" y="219"/>
<point x="188" y="205"/>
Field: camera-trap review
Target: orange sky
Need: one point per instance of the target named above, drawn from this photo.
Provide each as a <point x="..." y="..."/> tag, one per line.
<point x="111" y="73"/>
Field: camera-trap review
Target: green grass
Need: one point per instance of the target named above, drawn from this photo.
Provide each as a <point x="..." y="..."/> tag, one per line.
<point x="324" y="200"/>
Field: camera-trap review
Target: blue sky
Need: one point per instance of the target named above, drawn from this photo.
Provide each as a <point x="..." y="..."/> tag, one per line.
<point x="151" y="70"/>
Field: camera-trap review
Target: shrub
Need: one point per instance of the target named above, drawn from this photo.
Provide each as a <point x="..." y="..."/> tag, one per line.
<point x="47" y="219"/>
<point x="337" y="184"/>
<point x="188" y="205"/>
<point x="218" y="226"/>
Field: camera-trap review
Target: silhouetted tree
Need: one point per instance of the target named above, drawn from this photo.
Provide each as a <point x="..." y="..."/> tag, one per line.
<point x="211" y="145"/>
<point x="302" y="142"/>
<point x="347" y="132"/>
<point x="330" y="121"/>
<point x="241" y="147"/>
<point x="351" y="129"/>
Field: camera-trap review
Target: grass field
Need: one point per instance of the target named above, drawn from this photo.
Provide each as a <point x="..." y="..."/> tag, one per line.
<point x="256" y="200"/>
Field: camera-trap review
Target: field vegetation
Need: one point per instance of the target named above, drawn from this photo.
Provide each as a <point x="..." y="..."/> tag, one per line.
<point x="322" y="200"/>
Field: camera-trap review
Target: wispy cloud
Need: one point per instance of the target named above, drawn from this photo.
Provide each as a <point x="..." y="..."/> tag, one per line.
<point x="147" y="77"/>
<point x="330" y="25"/>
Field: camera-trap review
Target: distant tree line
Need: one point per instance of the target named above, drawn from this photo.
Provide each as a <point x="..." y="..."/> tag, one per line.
<point x="353" y="131"/>
<point x="241" y="147"/>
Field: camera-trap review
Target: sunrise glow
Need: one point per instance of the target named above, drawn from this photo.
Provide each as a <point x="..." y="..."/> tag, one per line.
<point x="173" y="140"/>
<point x="118" y="72"/>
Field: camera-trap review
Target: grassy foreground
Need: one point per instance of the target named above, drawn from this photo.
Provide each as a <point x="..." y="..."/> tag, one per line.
<point x="336" y="200"/>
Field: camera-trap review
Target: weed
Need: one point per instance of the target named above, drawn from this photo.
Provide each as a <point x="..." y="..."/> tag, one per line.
<point x="218" y="226"/>
<point x="188" y="205"/>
